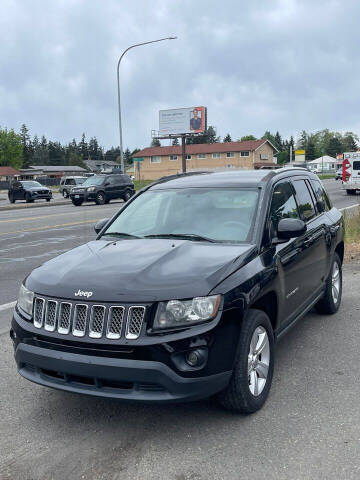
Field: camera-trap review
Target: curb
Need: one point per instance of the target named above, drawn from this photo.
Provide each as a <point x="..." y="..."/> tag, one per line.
<point x="34" y="205"/>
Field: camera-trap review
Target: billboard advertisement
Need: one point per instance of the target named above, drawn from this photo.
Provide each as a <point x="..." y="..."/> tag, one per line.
<point x="182" y="120"/>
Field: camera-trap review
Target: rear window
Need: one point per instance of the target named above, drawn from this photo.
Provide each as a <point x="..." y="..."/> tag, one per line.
<point x="320" y="193"/>
<point x="304" y="200"/>
<point x="356" y="165"/>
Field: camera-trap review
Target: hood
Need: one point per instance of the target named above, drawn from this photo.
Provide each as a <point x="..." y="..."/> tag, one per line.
<point x="36" y="189"/>
<point x="141" y="270"/>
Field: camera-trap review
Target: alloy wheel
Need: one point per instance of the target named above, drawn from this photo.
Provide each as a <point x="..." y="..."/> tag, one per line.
<point x="335" y="281"/>
<point x="258" y="360"/>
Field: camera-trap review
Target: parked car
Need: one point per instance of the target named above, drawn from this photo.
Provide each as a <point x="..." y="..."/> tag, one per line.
<point x="103" y="188"/>
<point x="66" y="184"/>
<point x="185" y="290"/>
<point x="28" y="190"/>
<point x="338" y="174"/>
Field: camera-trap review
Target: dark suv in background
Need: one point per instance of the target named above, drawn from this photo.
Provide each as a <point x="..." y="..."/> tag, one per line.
<point x="28" y="190"/>
<point x="103" y="188"/>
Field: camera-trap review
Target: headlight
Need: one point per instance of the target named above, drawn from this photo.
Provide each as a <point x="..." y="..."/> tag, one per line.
<point x="180" y="313"/>
<point x="25" y="300"/>
<point x="90" y="189"/>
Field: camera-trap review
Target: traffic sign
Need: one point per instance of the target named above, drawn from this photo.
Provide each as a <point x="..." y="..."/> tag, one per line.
<point x="138" y="159"/>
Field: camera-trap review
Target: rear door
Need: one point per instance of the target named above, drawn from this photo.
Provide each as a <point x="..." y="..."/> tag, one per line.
<point x="313" y="241"/>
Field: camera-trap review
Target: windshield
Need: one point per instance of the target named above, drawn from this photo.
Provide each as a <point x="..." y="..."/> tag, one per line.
<point x="93" y="181"/>
<point x="217" y="214"/>
<point x="31" y="184"/>
<point x="79" y="181"/>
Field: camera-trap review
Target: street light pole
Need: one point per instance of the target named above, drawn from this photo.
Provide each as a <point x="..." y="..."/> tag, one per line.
<point x="118" y="85"/>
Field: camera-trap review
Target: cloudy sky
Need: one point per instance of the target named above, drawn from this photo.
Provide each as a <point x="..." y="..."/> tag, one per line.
<point x="257" y="65"/>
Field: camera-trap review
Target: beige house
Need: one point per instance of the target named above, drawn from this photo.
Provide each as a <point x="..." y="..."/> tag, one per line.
<point x="161" y="161"/>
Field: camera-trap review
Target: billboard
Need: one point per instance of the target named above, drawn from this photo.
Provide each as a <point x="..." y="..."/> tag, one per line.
<point x="182" y="120"/>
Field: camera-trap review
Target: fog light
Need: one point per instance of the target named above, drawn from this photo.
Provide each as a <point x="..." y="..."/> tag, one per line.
<point x="193" y="358"/>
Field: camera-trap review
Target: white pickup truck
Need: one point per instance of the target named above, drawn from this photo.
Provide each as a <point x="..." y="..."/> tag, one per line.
<point x="351" y="172"/>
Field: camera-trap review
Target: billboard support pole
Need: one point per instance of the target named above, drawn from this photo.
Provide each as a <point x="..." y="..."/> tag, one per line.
<point x="183" y="152"/>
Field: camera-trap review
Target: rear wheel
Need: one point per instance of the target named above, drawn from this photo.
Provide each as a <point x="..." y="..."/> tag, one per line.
<point x="77" y="203"/>
<point x="253" y="370"/>
<point x="330" y="302"/>
<point x="127" y="195"/>
<point x="12" y="199"/>
<point x="100" y="198"/>
<point x="48" y="199"/>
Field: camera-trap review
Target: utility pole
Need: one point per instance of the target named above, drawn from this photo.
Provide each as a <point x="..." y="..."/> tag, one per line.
<point x="118" y="87"/>
<point x="183" y="153"/>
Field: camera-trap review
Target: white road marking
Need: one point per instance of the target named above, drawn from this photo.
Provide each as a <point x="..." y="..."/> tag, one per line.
<point x="7" y="306"/>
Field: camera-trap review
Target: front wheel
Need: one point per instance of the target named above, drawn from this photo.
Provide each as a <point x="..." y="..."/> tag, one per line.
<point x="28" y="198"/>
<point x="100" y="198"/>
<point x="65" y="194"/>
<point x="127" y="195"/>
<point x="253" y="370"/>
<point x="331" y="300"/>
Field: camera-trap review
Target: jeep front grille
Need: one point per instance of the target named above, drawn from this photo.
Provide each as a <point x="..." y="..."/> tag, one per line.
<point x="87" y="319"/>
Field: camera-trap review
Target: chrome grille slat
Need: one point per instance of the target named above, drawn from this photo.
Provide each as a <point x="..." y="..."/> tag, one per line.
<point x="50" y="315"/>
<point x="135" y="321"/>
<point x="115" y="322"/>
<point x="97" y="318"/>
<point x="39" y="307"/>
<point x="80" y="317"/>
<point x="64" y="322"/>
<point x="87" y="319"/>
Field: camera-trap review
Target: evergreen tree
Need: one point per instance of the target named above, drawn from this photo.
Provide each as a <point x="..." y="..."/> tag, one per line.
<point x="302" y="142"/>
<point x="155" y="143"/>
<point x="310" y="153"/>
<point x="44" y="152"/>
<point x="83" y="148"/>
<point x="269" y="136"/>
<point x="127" y="157"/>
<point x="26" y="144"/>
<point x="94" y="151"/>
<point x="175" y="141"/>
<point x="278" y="141"/>
<point x="36" y="151"/>
<point x="227" y="138"/>
<point x="349" y="142"/>
<point x="334" y="147"/>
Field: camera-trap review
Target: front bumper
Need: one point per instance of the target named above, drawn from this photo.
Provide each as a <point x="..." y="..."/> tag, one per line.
<point x="147" y="369"/>
<point x="113" y="377"/>
<point x="38" y="196"/>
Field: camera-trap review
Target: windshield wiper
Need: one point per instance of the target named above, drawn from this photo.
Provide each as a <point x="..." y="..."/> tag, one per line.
<point x="186" y="236"/>
<point x="119" y="234"/>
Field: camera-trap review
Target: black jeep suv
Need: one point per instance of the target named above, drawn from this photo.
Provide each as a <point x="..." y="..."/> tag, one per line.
<point x="103" y="188"/>
<point x="28" y="190"/>
<point x="185" y="290"/>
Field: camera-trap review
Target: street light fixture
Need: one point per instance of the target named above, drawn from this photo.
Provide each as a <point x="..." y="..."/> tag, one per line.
<point x="118" y="85"/>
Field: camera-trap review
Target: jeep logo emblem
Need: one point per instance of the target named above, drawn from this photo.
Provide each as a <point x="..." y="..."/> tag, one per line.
<point x="81" y="293"/>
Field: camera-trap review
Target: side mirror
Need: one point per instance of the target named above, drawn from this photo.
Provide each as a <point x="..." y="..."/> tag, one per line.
<point x="290" y="228"/>
<point x="100" y="225"/>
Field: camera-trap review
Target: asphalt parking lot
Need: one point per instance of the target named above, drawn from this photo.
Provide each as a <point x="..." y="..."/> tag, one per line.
<point x="308" y="429"/>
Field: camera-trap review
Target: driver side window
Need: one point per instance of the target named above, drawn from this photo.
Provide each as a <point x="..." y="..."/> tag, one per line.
<point x="283" y="205"/>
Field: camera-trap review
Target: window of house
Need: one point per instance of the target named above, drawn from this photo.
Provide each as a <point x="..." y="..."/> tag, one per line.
<point x="230" y="154"/>
<point x="305" y="202"/>
<point x="188" y="157"/>
<point x="230" y="165"/>
<point x="173" y="157"/>
<point x="216" y="155"/>
<point x="201" y="155"/>
<point x="245" y="154"/>
<point x="155" y="159"/>
<point x="264" y="156"/>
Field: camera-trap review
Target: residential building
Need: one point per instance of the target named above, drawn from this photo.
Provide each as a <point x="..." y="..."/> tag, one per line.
<point x="8" y="173"/>
<point x="98" y="166"/>
<point x="162" y="161"/>
<point x="50" y="171"/>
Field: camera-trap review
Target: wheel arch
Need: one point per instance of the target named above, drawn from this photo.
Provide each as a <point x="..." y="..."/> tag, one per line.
<point x="269" y="304"/>
<point x="340" y="250"/>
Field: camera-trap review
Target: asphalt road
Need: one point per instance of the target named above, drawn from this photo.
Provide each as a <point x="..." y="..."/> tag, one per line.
<point x="308" y="429"/>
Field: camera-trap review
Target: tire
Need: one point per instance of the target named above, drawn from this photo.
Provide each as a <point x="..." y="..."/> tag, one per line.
<point x="100" y="198"/>
<point x="351" y="192"/>
<point x="65" y="194"/>
<point x="77" y="203"/>
<point x="28" y="198"/>
<point x="239" y="396"/>
<point x="48" y="199"/>
<point x="330" y="302"/>
<point x="12" y="199"/>
<point x="127" y="195"/>
<point x="107" y="200"/>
